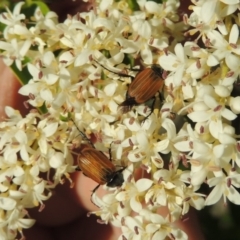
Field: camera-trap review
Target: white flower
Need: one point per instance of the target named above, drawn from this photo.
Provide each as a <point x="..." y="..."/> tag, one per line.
<point x="145" y="139"/>
<point x="134" y="192"/>
<point x="175" y="63"/>
<point x="15" y="51"/>
<point x="16" y="220"/>
<point x="12" y="19"/>
<point x="225" y="49"/>
<point x="209" y="109"/>
<point x="224" y="186"/>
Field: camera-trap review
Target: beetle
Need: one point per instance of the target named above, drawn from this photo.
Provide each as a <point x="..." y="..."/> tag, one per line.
<point x="143" y="87"/>
<point x="97" y="166"/>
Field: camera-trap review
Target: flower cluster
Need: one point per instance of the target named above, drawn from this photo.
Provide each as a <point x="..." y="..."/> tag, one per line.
<point x="74" y="69"/>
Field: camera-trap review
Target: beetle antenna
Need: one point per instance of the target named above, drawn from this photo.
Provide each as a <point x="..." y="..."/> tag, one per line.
<point x="83" y="134"/>
<point x="118" y="73"/>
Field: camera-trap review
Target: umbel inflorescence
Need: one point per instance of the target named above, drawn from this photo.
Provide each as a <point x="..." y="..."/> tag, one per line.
<point x="68" y="84"/>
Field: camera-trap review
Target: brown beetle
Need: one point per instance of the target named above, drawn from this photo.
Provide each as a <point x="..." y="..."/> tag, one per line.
<point x="95" y="165"/>
<point x="143" y="87"/>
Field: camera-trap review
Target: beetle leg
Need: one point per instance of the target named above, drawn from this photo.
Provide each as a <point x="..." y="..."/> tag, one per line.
<point x="152" y="108"/>
<point x="127" y="105"/>
<point x="110" y="152"/>
<point x="160" y="97"/>
<point x="78" y="168"/>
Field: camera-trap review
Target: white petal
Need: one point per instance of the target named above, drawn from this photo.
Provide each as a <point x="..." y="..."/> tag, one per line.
<point x="133" y="126"/>
<point x="29" y="88"/>
<point x="222" y="29"/>
<point x="222" y="91"/>
<point x="56" y="160"/>
<point x="141" y="138"/>
<point x="160" y="235"/>
<point x="21" y="137"/>
<point x="230" y="2"/>
<point x="11" y="112"/>
<point x="183" y="146"/>
<point x="162" y="145"/>
<point x="235" y="104"/>
<point x="177" y="79"/>
<point x="143" y="184"/>
<point x="105" y="23"/>
<point x="26" y="223"/>
<point x="226" y="139"/>
<point x="201" y="147"/>
<point x="104" y="5"/>
<point x="82" y="58"/>
<point x="210" y="101"/>
<point x="218" y="150"/>
<point x="33" y="70"/>
<point x="110" y="89"/>
<point x="198" y="178"/>
<point x="48" y="58"/>
<point x="46" y="95"/>
<point x="146" y="55"/>
<point x="233" y="195"/>
<point x="229" y="115"/>
<point x="170" y="128"/>
<point x="50" y="129"/>
<point x="212" y="61"/>
<point x="214" y="196"/>
<point x="66" y="57"/>
<point x="232" y="61"/>
<point x="7" y="203"/>
<point x="207" y="10"/>
<point x="51" y="78"/>
<point x="25" y="47"/>
<point x="199" y="116"/>
<point x="17" y="8"/>
<point x="215" y="128"/>
<point x="18" y="171"/>
<point x="179" y="50"/>
<point x="136" y="206"/>
<point x="168" y="62"/>
<point x="152" y="7"/>
<point x="234" y="34"/>
<point x="24" y="154"/>
<point x="43" y="146"/>
<point x="34" y="171"/>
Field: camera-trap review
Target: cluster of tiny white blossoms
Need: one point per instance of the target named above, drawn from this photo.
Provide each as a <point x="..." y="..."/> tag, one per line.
<point x="65" y="63"/>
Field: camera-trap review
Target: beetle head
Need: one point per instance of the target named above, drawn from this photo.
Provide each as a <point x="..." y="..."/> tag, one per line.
<point x="117" y="179"/>
<point x="157" y="70"/>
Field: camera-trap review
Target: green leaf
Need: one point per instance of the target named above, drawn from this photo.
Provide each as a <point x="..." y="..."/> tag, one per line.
<point x="23" y="76"/>
<point x="29" y="8"/>
<point x="43" y="7"/>
<point x="157" y="1"/>
<point x="66" y="118"/>
<point x="43" y="108"/>
<point x="133" y="5"/>
<point x="128" y="59"/>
